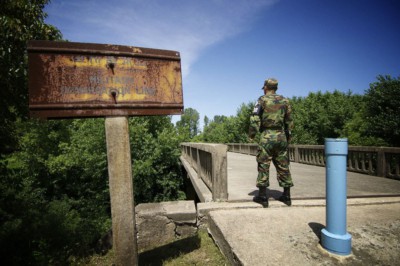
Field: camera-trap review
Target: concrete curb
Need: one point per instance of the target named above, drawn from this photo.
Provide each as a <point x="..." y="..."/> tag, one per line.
<point x="199" y="186"/>
<point x="161" y="223"/>
<point x="210" y="215"/>
<point x="203" y="209"/>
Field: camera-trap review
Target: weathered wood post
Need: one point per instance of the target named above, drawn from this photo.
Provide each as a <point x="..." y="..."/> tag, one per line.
<point x="121" y="190"/>
<point x="69" y="80"/>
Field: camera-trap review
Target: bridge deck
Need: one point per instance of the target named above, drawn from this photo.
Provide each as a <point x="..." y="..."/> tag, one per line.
<point x="309" y="181"/>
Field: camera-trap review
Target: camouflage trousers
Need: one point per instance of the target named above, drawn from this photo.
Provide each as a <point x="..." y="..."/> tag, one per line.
<point x="273" y="148"/>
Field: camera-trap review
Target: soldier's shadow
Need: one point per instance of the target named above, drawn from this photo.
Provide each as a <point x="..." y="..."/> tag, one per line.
<point x="272" y="193"/>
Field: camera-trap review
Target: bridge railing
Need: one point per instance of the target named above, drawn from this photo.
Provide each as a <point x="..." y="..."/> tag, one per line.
<point x="379" y="161"/>
<point x="210" y="163"/>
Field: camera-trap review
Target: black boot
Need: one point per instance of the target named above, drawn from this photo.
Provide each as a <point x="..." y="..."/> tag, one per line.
<point x="285" y="198"/>
<point x="262" y="197"/>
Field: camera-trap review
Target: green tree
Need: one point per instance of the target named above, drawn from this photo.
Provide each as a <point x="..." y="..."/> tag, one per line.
<point x="22" y="202"/>
<point x="206" y="121"/>
<point x="356" y="128"/>
<point x="220" y="119"/>
<point x="243" y="122"/>
<point x="215" y="131"/>
<point x="189" y="123"/>
<point x="382" y="110"/>
<point x="55" y="198"/>
<point x="155" y="154"/>
<point x="219" y="130"/>
<point x="233" y="129"/>
<point x="20" y="21"/>
<point x="322" y="115"/>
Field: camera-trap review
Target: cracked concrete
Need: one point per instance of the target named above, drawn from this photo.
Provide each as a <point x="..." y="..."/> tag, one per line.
<point x="161" y="223"/>
<point x="291" y="235"/>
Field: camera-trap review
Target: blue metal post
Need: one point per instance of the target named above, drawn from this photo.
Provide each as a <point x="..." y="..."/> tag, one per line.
<point x="334" y="237"/>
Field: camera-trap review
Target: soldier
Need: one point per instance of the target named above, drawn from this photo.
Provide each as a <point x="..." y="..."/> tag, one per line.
<point x="272" y="118"/>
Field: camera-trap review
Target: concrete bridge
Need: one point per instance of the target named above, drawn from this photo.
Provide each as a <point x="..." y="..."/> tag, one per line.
<point x="224" y="176"/>
<point x="309" y="181"/>
<point x="228" y="172"/>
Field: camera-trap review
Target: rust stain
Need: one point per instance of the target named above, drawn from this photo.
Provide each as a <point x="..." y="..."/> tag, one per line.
<point x="74" y="79"/>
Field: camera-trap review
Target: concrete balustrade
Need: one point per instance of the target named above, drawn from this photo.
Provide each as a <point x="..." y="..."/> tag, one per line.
<point x="379" y="161"/>
<point x="206" y="164"/>
<point x="209" y="162"/>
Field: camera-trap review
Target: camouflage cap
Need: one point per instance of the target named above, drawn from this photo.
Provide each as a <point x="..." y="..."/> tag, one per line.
<point x="271" y="83"/>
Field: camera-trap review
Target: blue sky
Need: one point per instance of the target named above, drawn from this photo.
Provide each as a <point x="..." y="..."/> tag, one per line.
<point x="229" y="47"/>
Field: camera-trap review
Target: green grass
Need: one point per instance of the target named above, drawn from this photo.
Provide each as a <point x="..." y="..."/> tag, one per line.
<point x="197" y="250"/>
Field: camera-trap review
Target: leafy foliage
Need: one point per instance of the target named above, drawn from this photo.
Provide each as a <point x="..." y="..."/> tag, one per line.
<point x="155" y="154"/>
<point x="319" y="116"/>
<point x="54" y="196"/>
<point x="366" y="120"/>
<point x="189" y="123"/>
<point x="224" y="129"/>
<point x="382" y="110"/>
<point x="20" y="21"/>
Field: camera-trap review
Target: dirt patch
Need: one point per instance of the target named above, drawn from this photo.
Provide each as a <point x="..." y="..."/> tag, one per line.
<point x="372" y="244"/>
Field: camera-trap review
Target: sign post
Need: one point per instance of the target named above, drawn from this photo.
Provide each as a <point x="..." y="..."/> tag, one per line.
<point x="121" y="190"/>
<point x="69" y="80"/>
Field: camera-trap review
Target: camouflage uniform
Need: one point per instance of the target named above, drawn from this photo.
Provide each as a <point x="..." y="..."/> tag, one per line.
<point x="273" y="120"/>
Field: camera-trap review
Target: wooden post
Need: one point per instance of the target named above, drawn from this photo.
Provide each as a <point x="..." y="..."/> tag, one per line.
<point x="121" y="191"/>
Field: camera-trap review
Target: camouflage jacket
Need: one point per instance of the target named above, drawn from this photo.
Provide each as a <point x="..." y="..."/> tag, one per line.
<point x="272" y="112"/>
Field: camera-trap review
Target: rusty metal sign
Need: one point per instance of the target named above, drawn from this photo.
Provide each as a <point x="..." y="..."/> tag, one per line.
<point x="90" y="80"/>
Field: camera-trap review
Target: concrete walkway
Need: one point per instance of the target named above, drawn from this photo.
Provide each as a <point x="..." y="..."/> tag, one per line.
<point x="279" y="235"/>
<point x="309" y="181"/>
<point x="291" y="235"/>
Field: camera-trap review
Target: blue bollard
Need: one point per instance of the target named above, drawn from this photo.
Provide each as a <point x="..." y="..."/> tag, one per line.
<point x="334" y="237"/>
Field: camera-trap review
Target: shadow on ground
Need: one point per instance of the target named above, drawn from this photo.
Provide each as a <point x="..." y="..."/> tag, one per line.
<point x="160" y="254"/>
<point x="272" y="193"/>
<point x="316" y="227"/>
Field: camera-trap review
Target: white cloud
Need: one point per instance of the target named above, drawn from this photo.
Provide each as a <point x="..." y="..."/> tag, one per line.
<point x="183" y="25"/>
